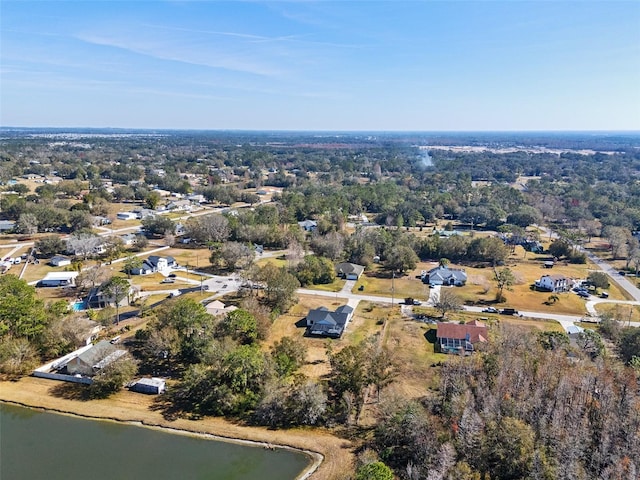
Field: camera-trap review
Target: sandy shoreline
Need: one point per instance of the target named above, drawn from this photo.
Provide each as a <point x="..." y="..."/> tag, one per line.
<point x="330" y="456"/>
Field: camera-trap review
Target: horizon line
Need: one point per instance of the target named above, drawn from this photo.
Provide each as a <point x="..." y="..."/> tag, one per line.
<point x="178" y="129"/>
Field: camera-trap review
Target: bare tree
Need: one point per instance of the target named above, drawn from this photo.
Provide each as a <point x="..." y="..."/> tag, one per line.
<point x="27" y="224"/>
<point x="83" y="244"/>
<point x="208" y="228"/>
<point x="617" y="238"/>
<point x="295" y="253"/>
<point x="237" y="255"/>
<point x="448" y="301"/>
<point x="91" y="277"/>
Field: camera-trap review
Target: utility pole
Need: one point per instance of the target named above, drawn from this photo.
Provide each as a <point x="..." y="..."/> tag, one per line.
<point x="393" y="289"/>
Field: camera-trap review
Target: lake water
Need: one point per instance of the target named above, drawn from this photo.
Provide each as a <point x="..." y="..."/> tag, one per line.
<point x="36" y="445"/>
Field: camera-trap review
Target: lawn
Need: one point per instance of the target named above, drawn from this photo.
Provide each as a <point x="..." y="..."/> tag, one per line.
<point x="285" y="326"/>
<point x="621" y="312"/>
<point x="279" y="261"/>
<point x="376" y="281"/>
<point x="334" y="286"/>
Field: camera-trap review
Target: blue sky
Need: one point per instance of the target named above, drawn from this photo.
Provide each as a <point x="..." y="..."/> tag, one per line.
<point x="304" y="65"/>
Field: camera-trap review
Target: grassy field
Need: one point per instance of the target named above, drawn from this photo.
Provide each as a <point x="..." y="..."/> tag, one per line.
<point x="623" y="313"/>
<point x="291" y="325"/>
<point x="481" y="289"/>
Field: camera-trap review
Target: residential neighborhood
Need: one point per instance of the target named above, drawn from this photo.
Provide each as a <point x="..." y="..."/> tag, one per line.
<point x="281" y="297"/>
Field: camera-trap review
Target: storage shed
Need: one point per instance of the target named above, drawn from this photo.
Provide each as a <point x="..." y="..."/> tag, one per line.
<point x="152" y="386"/>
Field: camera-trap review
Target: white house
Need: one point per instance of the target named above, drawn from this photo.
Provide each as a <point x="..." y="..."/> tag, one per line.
<point x="155" y="264"/>
<point x="553" y="283"/>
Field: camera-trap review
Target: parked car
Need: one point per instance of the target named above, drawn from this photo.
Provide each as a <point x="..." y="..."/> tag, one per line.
<point x="168" y="280"/>
<point x="508" y="311"/>
<point x="175" y="293"/>
<point x="584" y="294"/>
<point x="172" y="275"/>
<point x="417" y="302"/>
<point x="490" y="310"/>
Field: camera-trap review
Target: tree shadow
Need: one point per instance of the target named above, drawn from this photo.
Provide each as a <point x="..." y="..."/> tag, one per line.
<point x="71" y="391"/>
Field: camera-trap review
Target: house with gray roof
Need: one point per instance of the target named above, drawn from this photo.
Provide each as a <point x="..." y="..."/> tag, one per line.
<point x="6" y="225"/>
<point x="446" y="276"/>
<point x="308" y="225"/>
<point x="323" y="322"/>
<point x="349" y="271"/>
<point x="90" y="362"/>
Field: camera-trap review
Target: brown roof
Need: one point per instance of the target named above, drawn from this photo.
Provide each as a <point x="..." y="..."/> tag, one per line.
<point x="476" y="331"/>
<point x="557" y="277"/>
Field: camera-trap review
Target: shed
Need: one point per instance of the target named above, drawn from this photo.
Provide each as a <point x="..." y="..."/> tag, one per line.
<point x="60" y="261"/>
<point x="152" y="386"/>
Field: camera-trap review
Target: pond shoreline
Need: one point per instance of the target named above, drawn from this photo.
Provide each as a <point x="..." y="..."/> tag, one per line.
<point x="329" y="456"/>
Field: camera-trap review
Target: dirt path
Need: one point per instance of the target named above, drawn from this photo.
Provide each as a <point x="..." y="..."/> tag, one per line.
<point x="333" y="456"/>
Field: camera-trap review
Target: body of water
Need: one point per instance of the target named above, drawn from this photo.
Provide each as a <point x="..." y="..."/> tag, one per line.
<point x="37" y="445"/>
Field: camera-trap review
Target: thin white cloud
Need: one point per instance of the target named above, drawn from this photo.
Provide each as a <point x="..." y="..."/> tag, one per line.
<point x="171" y="51"/>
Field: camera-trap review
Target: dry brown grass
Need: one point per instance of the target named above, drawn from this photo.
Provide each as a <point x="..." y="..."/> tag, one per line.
<point x="285" y="326"/>
<point x="621" y="312"/>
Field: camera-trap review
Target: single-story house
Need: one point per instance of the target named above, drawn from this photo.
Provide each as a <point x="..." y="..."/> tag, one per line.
<point x="100" y="220"/>
<point x="553" y="283"/>
<point x="308" y="225"/>
<point x="323" y="322"/>
<point x="155" y="264"/>
<point x="95" y="359"/>
<point x="142" y="213"/>
<point x="216" y="308"/>
<point x="349" y="271"/>
<point x="58" y="279"/>
<point x="94" y="245"/>
<point x="128" y="239"/>
<point x="6" y="225"/>
<point x="127" y="216"/>
<point x="60" y="261"/>
<point x="153" y="386"/>
<point x="461" y="338"/>
<point x="447" y="233"/>
<point x="180" y="205"/>
<point x="445" y="276"/>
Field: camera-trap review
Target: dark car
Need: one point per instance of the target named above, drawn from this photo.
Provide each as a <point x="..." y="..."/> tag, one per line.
<point x="172" y="275"/>
<point x="508" y="311"/>
<point x="583" y="294"/>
